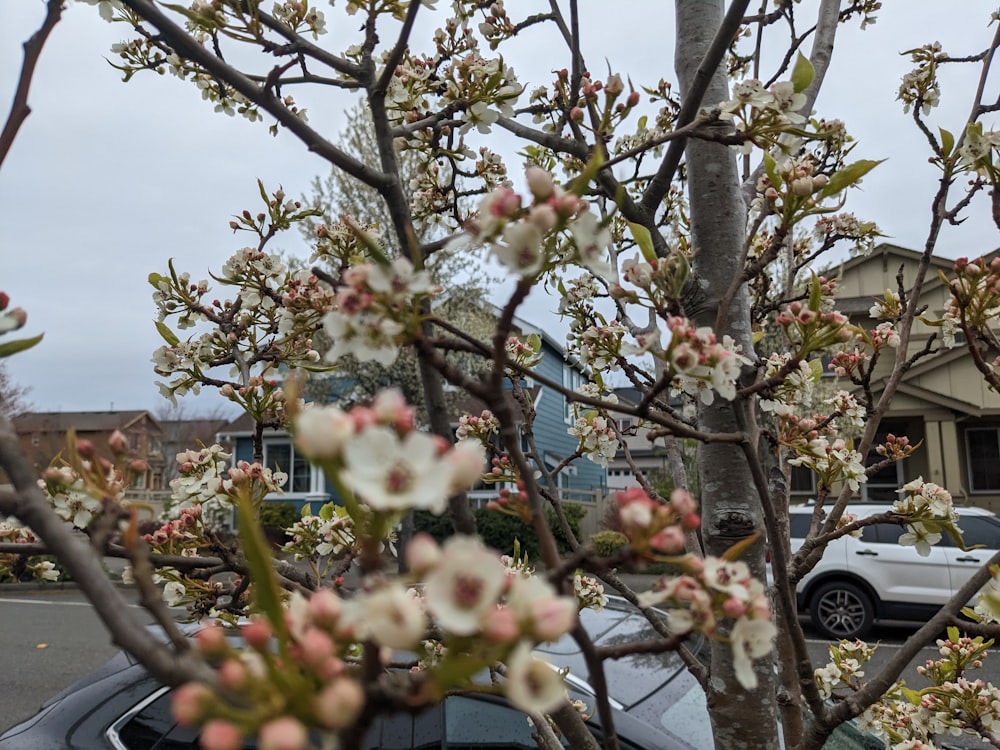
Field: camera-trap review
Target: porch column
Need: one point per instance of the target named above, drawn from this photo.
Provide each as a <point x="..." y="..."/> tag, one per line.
<point x="951" y="456"/>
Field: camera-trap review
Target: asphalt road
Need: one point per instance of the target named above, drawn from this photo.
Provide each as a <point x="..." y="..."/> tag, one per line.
<point x="48" y="639"/>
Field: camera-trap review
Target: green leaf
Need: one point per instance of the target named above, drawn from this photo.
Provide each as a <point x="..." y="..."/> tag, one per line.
<point x="947" y="141"/>
<point x="771" y="168"/>
<point x="815" y="294"/>
<point x="155" y="279"/>
<point x="803" y="73"/>
<point x="642" y="122"/>
<point x="327" y="511"/>
<point x="849" y="175"/>
<point x="816" y="369"/>
<point x="737" y="550"/>
<point x="953" y="634"/>
<point x="13" y="347"/>
<point x="169" y="336"/>
<point x="266" y="592"/>
<point x="581" y="183"/>
<point x="306" y="510"/>
<point x="644" y="240"/>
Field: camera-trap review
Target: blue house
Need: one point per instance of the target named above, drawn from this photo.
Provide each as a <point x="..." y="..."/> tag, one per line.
<point x="584" y="481"/>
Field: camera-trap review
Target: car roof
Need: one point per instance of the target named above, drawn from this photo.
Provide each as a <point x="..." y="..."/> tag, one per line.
<point x="865" y="508"/>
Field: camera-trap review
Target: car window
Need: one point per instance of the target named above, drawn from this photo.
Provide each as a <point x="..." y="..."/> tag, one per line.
<point x="635" y="676"/>
<point x="979" y="530"/>
<point x="883" y="533"/>
<point x="798" y="525"/>
<point x="153" y="728"/>
<point x="471" y="723"/>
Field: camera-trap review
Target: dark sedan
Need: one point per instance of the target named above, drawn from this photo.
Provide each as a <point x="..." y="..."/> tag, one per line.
<point x="657" y="706"/>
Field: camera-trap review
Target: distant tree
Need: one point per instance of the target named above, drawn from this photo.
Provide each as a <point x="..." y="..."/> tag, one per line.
<point x="185" y="427"/>
<point x="435" y="187"/>
<point x="13" y="396"/>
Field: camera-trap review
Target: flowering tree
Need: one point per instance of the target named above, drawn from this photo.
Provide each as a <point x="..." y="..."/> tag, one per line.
<point x="695" y="282"/>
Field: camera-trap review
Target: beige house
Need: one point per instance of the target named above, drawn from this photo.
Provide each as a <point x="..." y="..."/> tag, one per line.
<point x="942" y="400"/>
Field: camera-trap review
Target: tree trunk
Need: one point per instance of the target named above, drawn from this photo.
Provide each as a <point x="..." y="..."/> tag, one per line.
<point x="730" y="506"/>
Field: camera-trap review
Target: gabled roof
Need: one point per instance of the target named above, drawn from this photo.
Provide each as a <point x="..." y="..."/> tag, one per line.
<point x="891" y="255"/>
<point x="81" y="421"/>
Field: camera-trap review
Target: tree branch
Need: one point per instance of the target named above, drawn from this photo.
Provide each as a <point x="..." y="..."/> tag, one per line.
<point x="19" y="109"/>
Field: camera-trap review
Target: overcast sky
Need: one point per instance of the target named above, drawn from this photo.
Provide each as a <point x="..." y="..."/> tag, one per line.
<point x="107" y="180"/>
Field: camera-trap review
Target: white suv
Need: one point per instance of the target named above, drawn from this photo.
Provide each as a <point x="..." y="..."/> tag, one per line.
<point x="859" y="581"/>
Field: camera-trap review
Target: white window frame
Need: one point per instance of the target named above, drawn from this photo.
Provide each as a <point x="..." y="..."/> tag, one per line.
<point x="289" y="488"/>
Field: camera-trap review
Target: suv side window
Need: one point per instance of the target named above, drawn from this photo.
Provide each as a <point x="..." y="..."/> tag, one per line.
<point x="883" y="533"/>
<point x="977" y="530"/>
<point x="798" y="524"/>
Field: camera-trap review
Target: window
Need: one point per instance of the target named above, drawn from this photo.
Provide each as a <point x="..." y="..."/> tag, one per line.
<point x="572" y="380"/>
<point x="882" y="485"/>
<point x="154" y="726"/>
<point x="280" y="454"/>
<point x="802" y="483"/>
<point x="983" y="452"/>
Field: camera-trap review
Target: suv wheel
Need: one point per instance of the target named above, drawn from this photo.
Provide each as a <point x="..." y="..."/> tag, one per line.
<point x="842" y="610"/>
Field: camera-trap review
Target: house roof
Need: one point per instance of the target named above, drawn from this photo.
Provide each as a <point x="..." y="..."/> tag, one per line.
<point x="81" y="421"/>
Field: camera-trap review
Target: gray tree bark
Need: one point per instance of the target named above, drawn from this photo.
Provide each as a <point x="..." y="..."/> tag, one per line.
<point x="730" y="506"/>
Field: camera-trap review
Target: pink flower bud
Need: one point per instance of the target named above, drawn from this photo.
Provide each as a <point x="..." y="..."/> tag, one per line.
<point x="733" y="607"/>
<point x="325" y="608"/>
<point x="257" y="633"/>
<point x="339" y="703"/>
<point x="232" y="674"/>
<point x="220" y="735"/>
<point x="118" y="443"/>
<point x="315" y="647"/>
<point x="552" y="617"/>
<point x="284" y="733"/>
<point x="422" y="554"/>
<point x="84" y="448"/>
<point x="189" y="703"/>
<point x="539" y="183"/>
<point x="501" y="626"/>
<point x="211" y="640"/>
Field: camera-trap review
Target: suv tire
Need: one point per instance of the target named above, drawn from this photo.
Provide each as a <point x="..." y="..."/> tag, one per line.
<point x="842" y="610"/>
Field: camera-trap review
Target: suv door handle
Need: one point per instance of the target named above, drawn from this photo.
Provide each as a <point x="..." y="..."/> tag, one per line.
<point x="870" y="553"/>
<point x="967" y="558"/>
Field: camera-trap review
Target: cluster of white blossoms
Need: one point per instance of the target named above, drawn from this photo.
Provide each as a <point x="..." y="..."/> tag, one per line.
<point x="952" y="703"/>
<point x="556" y="228"/>
<point x="597" y="436"/>
<point x="379" y="455"/>
<point x="203" y="481"/>
<point x="702" y="366"/>
<point x="478" y="613"/>
<point x="484" y="427"/>
<point x="12" y="532"/>
<point x="832" y="462"/>
<point x="756" y="110"/>
<point x="844" y="669"/>
<point x="271" y="316"/>
<point x="374" y="310"/>
<point x="717" y="589"/>
<point x="919" y="87"/>
<point x="324" y="535"/>
<point x="929" y="509"/>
